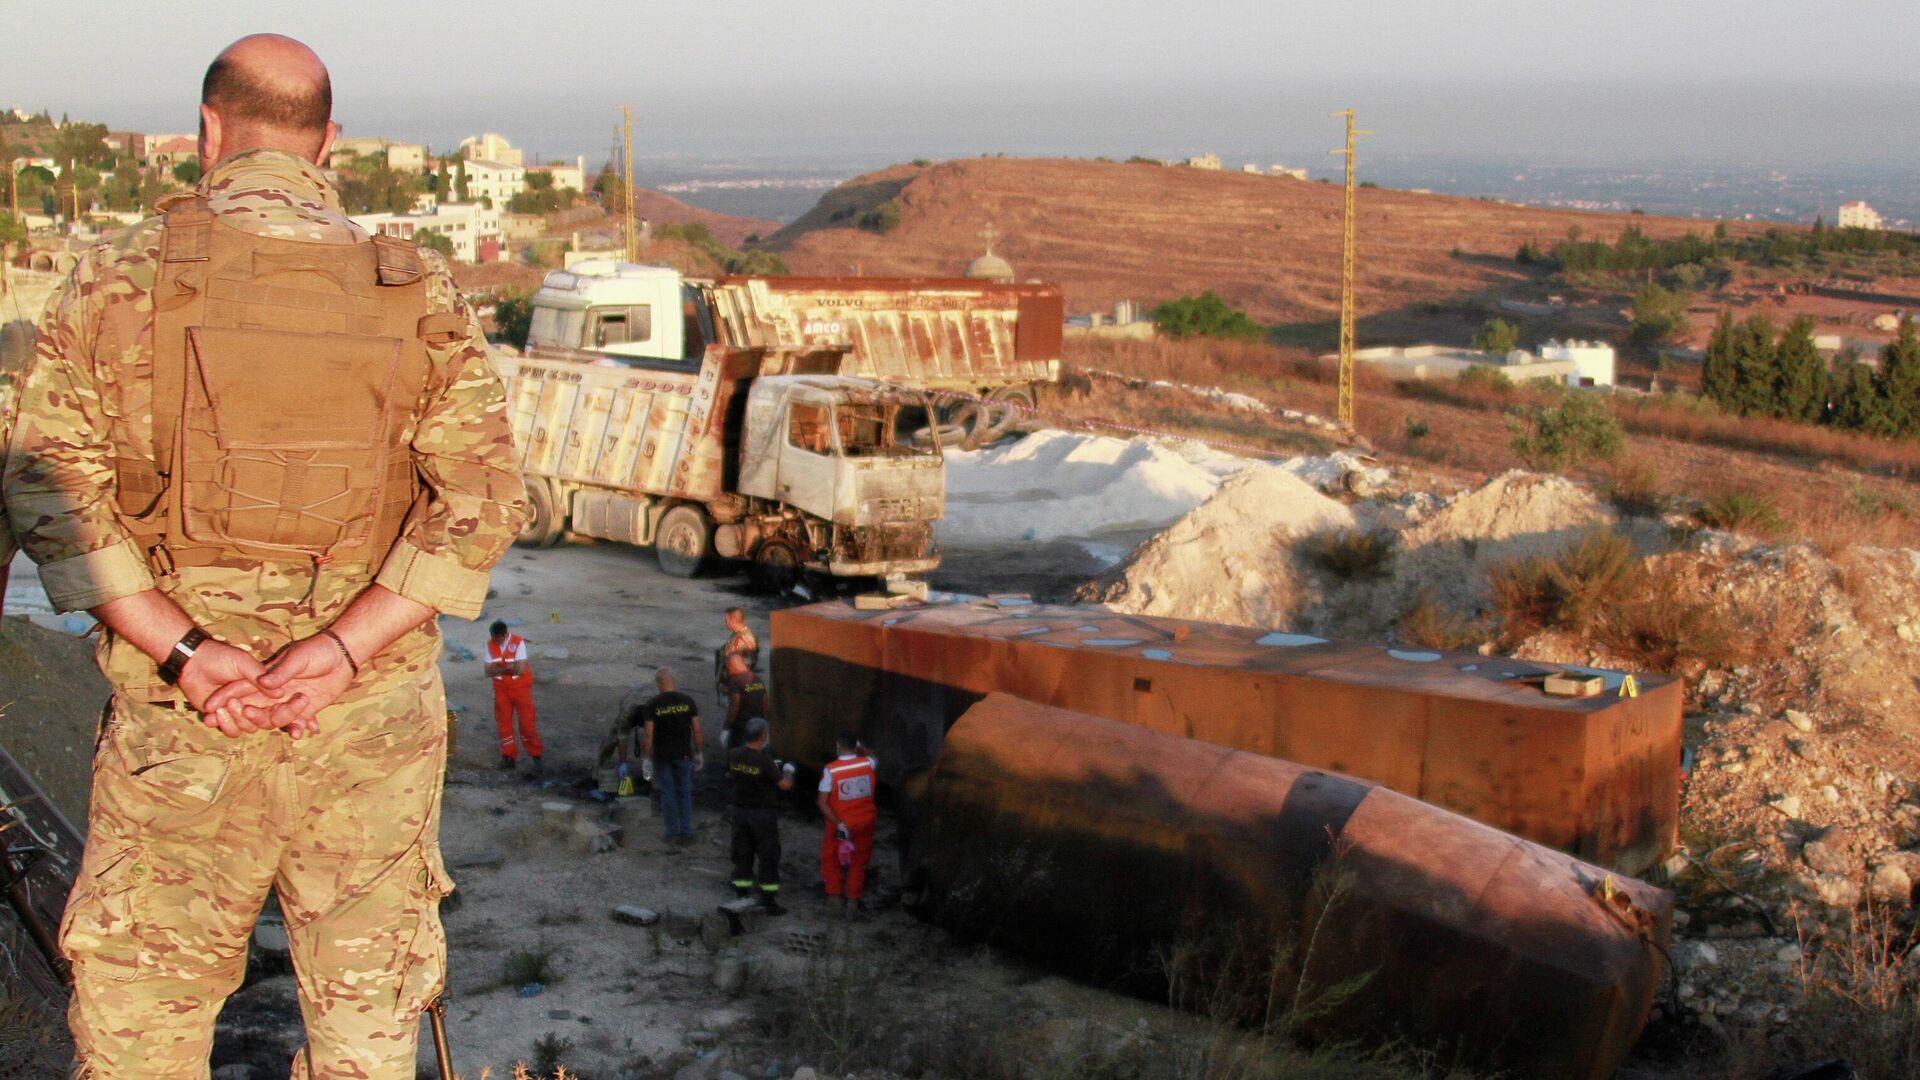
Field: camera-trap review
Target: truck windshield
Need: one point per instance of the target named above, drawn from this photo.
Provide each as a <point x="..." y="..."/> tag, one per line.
<point x="556" y="326"/>
<point x="868" y="430"/>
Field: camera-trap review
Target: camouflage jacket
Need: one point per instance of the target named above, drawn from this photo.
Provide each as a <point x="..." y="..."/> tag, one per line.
<point x="77" y="411"/>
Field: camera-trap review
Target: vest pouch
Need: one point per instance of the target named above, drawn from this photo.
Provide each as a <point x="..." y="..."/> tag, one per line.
<point x="285" y="438"/>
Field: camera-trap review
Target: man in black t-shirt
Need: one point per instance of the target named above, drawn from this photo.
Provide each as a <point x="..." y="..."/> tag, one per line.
<point x="757" y="781"/>
<point x="670" y="750"/>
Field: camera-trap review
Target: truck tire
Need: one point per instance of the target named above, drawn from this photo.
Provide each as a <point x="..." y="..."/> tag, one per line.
<point x="1011" y="405"/>
<point x="545" y="522"/>
<point x="684" y="540"/>
<point x="777" y="566"/>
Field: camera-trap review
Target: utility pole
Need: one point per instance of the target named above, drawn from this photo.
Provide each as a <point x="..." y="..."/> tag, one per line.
<point x="632" y="237"/>
<point x="1346" y="281"/>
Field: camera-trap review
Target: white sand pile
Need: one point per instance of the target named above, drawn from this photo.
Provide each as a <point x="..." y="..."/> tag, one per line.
<point x="1514" y="514"/>
<point x="1055" y="485"/>
<point x="1232" y="559"/>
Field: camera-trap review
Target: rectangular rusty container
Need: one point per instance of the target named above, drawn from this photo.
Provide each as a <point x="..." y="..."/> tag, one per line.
<point x="1596" y="777"/>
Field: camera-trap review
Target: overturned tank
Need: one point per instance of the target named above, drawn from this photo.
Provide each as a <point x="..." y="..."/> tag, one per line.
<point x="1594" y="776"/>
<point x="1335" y="906"/>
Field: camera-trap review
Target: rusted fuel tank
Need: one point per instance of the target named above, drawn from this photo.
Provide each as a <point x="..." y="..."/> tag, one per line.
<point x="1144" y="859"/>
<point x="1597" y="777"/>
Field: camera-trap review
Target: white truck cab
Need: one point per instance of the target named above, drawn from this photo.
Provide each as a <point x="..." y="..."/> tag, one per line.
<point x="617" y="310"/>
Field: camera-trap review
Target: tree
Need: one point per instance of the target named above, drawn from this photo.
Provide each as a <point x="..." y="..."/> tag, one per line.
<point x="1497" y="336"/>
<point x="188" y="171"/>
<point x="539" y="181"/>
<point x="1900" y="380"/>
<point x="12" y="230"/>
<point x="1801" y="391"/>
<point x="1857" y="405"/>
<point x="1659" y="315"/>
<point x="1717" y="375"/>
<point x="460" y="183"/>
<point x="513" y="316"/>
<point x="1754" y="377"/>
<point x="1558" y="438"/>
<point x="1205" y="315"/>
<point x="428" y="238"/>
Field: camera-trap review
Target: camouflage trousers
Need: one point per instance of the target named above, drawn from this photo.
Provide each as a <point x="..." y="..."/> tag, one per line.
<point x="186" y="832"/>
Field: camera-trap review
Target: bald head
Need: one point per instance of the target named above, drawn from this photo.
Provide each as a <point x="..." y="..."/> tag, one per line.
<point x="269" y="91"/>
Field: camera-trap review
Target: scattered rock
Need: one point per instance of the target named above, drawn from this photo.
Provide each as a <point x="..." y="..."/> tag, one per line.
<point x="1830" y="793"/>
<point x="1701" y="954"/>
<point x="1787" y="805"/>
<point x="1888" y="883"/>
<point x="1830" y="854"/>
<point x="1788" y="954"/>
<point x="805" y="1072"/>
<point x="556" y="653"/>
<point x="1906" y="632"/>
<point x="715" y="931"/>
<point x="1832" y="890"/>
<point x="483" y="859"/>
<point x="1801" y="721"/>
<point x="631" y="915"/>
<point x="711" y="1067"/>
<point x="459" y="653"/>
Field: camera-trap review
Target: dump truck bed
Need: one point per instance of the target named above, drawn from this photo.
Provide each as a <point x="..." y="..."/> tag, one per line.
<point x="938" y="333"/>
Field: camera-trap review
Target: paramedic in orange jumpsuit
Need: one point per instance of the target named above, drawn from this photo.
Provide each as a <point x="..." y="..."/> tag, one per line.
<point x="846" y="801"/>
<point x="512" y="696"/>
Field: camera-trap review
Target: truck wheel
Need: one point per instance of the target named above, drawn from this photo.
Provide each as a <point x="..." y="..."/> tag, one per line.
<point x="544" y="520"/>
<point x="684" y="541"/>
<point x="777" y="566"/>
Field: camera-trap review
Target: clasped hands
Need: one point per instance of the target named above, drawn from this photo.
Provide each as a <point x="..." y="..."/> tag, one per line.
<point x="239" y="695"/>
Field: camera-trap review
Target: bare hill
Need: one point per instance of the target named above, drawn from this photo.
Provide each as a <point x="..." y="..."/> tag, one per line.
<point x="730" y="229"/>
<point x="1111" y="231"/>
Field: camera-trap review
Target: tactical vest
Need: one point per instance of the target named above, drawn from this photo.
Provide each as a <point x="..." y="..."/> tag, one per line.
<point x="285" y="374"/>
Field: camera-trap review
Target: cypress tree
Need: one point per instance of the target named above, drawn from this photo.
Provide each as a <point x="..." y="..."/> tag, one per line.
<point x="1856" y="397"/>
<point x="1754" y="367"/>
<point x="1717" y="374"/>
<point x="1802" y="389"/>
<point x="1900" y="381"/>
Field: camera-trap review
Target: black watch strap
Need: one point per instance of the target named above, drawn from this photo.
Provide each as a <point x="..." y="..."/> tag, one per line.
<point x="182" y="651"/>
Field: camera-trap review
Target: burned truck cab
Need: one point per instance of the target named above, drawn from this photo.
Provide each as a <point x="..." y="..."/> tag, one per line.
<point x="827" y="446"/>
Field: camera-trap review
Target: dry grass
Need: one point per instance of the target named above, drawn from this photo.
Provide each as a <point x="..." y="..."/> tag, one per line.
<point x="1352" y="554"/>
<point x="1741" y="511"/>
<point x="1573" y="591"/>
<point x="1431" y="624"/>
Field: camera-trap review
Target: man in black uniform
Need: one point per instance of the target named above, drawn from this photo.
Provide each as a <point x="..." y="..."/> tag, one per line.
<point x="758" y="781"/>
<point x="746" y="698"/>
<point x="672" y="749"/>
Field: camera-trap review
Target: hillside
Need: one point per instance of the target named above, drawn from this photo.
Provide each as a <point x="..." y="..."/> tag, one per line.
<point x="730" y="229"/>
<point x="1110" y="231"/>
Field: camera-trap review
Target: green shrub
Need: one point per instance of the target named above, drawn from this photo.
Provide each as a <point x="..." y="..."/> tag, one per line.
<point x="882" y="219"/>
<point x="1485" y="377"/>
<point x="1431" y="624"/>
<point x="1205" y="315"/>
<point x="535" y="965"/>
<point x="1634" y="488"/>
<point x="1661" y="622"/>
<point x="1352" y="554"/>
<point x="1497" y="336"/>
<point x="1557" y="438"/>
<point x="550" y="1053"/>
<point x="1743" y="512"/>
<point x="513" y="315"/>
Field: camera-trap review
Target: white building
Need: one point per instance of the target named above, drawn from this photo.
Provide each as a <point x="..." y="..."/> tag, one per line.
<point x="407" y="157"/>
<point x="1592" y="361"/>
<point x="491" y="147"/>
<point x="474" y="229"/>
<point x="1283" y="170"/>
<point x="565" y="177"/>
<point x="494" y="180"/>
<point x="1858" y="215"/>
<point x="1204" y="161"/>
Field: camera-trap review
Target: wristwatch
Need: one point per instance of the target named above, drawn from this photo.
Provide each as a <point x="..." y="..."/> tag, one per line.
<point x="182" y="652"/>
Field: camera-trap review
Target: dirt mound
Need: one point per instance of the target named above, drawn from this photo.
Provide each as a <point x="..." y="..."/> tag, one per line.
<point x="1111" y="231"/>
<point x="1232" y="560"/>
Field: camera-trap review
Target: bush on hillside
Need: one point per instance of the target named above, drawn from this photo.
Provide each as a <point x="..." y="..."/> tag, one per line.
<point x="1742" y="512"/>
<point x="1352" y="554"/>
<point x="1205" y="315"/>
<point x="1497" y="336"/>
<point x="1558" y="438"/>
<point x="1571" y="591"/>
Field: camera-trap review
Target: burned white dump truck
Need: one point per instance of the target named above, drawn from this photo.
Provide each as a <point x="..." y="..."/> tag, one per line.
<point x="760" y="454"/>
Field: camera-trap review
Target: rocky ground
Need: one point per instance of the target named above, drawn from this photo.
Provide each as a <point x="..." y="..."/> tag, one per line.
<point x="1800" y="818"/>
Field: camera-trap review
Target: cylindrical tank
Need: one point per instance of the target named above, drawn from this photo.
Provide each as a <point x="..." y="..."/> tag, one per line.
<point x="1162" y="864"/>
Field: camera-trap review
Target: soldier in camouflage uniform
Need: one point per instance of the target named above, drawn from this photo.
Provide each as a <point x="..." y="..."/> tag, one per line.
<point x="303" y="747"/>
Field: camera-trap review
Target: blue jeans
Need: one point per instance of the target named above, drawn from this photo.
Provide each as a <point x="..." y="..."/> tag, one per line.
<point x="675" y="781"/>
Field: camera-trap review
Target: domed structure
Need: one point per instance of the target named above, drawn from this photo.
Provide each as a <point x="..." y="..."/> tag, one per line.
<point x="991" y="267"/>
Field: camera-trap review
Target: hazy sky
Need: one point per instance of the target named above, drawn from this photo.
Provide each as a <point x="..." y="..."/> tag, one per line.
<point x="1756" y="82"/>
